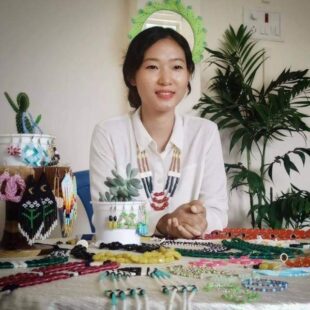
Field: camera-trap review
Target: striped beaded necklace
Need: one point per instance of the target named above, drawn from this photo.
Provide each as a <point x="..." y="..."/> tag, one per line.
<point x="159" y="200"/>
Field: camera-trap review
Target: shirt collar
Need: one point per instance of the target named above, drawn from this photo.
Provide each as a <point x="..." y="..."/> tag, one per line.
<point x="143" y="138"/>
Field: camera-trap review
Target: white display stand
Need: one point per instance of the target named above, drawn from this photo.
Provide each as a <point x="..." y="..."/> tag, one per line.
<point x="39" y="141"/>
<point x="102" y="211"/>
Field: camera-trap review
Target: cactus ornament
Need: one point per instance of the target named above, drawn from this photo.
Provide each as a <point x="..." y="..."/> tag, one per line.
<point x="24" y="120"/>
<point x="121" y="189"/>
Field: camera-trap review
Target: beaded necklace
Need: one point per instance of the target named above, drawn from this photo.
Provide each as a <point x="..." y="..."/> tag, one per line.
<point x="140" y="248"/>
<point x="51" y="273"/>
<point x="264" y="285"/>
<point x="250" y="233"/>
<point x="299" y="262"/>
<point x="203" y="245"/>
<point x="162" y="255"/>
<point x="159" y="200"/>
<point x="291" y="272"/>
<point x="268" y="251"/>
<point x="33" y="263"/>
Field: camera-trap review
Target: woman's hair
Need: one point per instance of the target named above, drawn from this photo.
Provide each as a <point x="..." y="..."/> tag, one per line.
<point x="135" y="55"/>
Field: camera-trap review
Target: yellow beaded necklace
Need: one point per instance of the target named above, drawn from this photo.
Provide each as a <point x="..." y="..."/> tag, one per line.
<point x="163" y="255"/>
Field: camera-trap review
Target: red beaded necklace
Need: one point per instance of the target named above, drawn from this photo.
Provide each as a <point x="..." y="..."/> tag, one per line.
<point x="159" y="200"/>
<point x="253" y="233"/>
<point x="51" y="273"/>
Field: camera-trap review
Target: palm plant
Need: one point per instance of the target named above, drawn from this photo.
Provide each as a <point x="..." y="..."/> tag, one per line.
<point x="256" y="117"/>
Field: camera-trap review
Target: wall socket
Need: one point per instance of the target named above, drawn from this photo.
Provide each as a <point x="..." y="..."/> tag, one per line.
<point x="265" y="25"/>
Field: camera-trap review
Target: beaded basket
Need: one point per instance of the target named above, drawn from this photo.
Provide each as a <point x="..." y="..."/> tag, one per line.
<point x="119" y="221"/>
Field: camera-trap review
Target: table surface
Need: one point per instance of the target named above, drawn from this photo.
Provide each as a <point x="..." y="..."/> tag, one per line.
<point x="84" y="292"/>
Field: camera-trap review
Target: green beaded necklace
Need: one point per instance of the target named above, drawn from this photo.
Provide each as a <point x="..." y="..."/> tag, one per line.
<point x="267" y="250"/>
<point x="34" y="263"/>
<point x="251" y="250"/>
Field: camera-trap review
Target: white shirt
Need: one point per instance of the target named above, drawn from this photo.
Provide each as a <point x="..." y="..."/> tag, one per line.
<point x="203" y="175"/>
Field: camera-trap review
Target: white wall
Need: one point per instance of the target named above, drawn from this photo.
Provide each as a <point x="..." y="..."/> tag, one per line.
<point x="293" y="52"/>
<point x="67" y="55"/>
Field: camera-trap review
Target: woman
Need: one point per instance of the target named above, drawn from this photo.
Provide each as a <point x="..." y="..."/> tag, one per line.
<point x="182" y="152"/>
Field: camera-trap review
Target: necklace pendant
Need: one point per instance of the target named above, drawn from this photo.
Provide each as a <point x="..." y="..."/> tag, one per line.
<point x="159" y="207"/>
<point x="158" y="194"/>
<point x="159" y="200"/>
<point x="165" y="199"/>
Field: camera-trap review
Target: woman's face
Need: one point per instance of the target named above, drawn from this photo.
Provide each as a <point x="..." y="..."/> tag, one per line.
<point x="162" y="79"/>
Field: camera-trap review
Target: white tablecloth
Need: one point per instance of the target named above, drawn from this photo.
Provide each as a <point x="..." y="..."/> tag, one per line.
<point x="84" y="292"/>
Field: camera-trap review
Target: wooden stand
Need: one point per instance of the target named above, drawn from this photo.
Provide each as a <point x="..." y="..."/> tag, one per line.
<point x="12" y="239"/>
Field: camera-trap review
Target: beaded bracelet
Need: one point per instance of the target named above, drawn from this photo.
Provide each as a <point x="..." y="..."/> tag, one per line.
<point x="264" y="285"/>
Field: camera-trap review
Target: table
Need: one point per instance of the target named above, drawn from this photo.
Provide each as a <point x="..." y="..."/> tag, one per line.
<point x="83" y="292"/>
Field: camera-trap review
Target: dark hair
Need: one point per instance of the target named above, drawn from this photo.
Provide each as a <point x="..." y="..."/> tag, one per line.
<point x="135" y="55"/>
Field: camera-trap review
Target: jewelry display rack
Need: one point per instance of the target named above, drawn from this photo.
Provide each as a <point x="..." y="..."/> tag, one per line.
<point x="13" y="242"/>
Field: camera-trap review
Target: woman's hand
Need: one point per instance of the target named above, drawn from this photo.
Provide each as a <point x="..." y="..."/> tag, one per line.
<point x="187" y="221"/>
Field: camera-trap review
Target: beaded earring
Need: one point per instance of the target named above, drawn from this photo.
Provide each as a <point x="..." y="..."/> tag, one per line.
<point x="114" y="223"/>
<point x="122" y="219"/>
<point x="31" y="155"/>
<point x="56" y="191"/>
<point x="30" y="212"/>
<point x="142" y="227"/>
<point x="112" y="218"/>
<point x="14" y="150"/>
<point x="49" y="206"/>
<point x="45" y="157"/>
<point x="69" y="211"/>
<point x="132" y="219"/>
<point x="11" y="187"/>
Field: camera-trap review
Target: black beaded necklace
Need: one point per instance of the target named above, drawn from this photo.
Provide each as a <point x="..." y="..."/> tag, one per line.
<point x="142" y="248"/>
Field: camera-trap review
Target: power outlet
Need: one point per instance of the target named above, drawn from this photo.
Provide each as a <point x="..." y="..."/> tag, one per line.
<point x="265" y="25"/>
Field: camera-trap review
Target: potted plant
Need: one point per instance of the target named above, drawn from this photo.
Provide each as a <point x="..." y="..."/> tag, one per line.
<point x="117" y="216"/>
<point x="29" y="147"/>
<point x="256" y="117"/>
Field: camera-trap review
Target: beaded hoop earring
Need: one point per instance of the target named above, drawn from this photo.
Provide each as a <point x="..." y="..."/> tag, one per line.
<point x="11" y="187"/>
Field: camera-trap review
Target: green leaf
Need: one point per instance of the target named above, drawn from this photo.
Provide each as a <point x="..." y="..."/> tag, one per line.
<point x="38" y="119"/>
<point x="236" y="137"/>
<point x="136" y="183"/>
<point x="128" y="171"/>
<point x="287" y="161"/>
<point x="108" y="196"/>
<point x="134" y="173"/>
<point x="302" y="156"/>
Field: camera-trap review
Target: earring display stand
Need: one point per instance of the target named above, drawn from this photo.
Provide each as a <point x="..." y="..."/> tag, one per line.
<point x="13" y="242"/>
